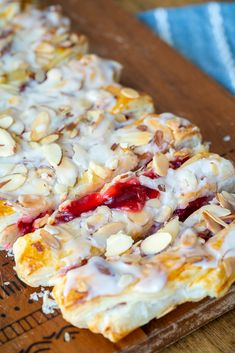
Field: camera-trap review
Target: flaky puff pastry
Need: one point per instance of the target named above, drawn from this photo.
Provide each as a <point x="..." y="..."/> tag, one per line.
<point x="42" y="256"/>
<point x="121" y="149"/>
<point x="113" y="296"/>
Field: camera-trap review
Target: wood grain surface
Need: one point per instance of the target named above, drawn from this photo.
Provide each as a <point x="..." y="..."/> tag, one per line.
<point x="176" y="86"/>
<point x="141" y="5"/>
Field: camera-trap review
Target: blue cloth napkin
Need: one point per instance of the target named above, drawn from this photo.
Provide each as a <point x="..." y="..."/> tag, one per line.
<point x="205" y="34"/>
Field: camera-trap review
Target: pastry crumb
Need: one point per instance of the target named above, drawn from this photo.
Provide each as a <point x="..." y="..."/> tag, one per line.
<point x="67" y="337"/>
<point x="49" y="304"/>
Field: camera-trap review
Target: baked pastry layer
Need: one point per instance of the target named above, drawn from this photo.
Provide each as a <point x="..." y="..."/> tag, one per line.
<point x="123" y="211"/>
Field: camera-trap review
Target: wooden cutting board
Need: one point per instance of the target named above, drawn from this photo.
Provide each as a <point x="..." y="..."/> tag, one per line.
<point x="176" y="86"/>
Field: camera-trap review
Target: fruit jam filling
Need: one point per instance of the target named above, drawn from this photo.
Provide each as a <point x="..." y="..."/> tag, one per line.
<point x="184" y="213"/>
<point x="128" y="196"/>
<point x="27" y="225"/>
<point x="174" y="164"/>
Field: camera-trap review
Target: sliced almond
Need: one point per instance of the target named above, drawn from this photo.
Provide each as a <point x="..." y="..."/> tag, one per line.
<point x="17" y="127"/>
<point x="12" y="182"/>
<point x="110" y="228"/>
<point x="95" y="116"/>
<point x="45" y="47"/>
<point x="229" y="265"/>
<point x="193" y="259"/>
<point x="66" y="172"/>
<point x="227" y="200"/>
<point x="49" y="139"/>
<point x="50" y="240"/>
<point x="160" y="164"/>
<point x="6" y="121"/>
<point x="213" y="223"/>
<point x="188" y="238"/>
<point x="154" y="203"/>
<point x="51" y="229"/>
<point x="156" y="243"/>
<point x="172" y="227"/>
<point x="99" y="170"/>
<point x="117" y="244"/>
<point x="216" y="210"/>
<point x="31" y="201"/>
<point x="40" y="222"/>
<point x="52" y="153"/>
<point x="158" y="138"/>
<point x="140" y="218"/>
<point x="39" y="128"/>
<point x="130" y="93"/>
<point x="164" y="214"/>
<point x="7" y="144"/>
<point x="135" y="138"/>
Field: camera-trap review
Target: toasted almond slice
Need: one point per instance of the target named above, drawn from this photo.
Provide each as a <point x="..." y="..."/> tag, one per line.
<point x="39" y="128"/>
<point x="156" y="243"/>
<point x="135" y="138"/>
<point x="216" y="210"/>
<point x="6" y="121"/>
<point x="95" y="219"/>
<point x="158" y="138"/>
<point x="66" y="172"/>
<point x="164" y="214"/>
<point x="50" y="240"/>
<point x="172" y="227"/>
<point x="229" y="265"/>
<point x="188" y="238"/>
<point x="223" y="202"/>
<point x="51" y="229"/>
<point x="230" y="198"/>
<point x="213" y="223"/>
<point x="117" y="244"/>
<point x="154" y="203"/>
<point x="49" y="139"/>
<point x="40" y="222"/>
<point x="192" y="259"/>
<point x="140" y="218"/>
<point x="13" y="182"/>
<point x="17" y="127"/>
<point x="7" y="144"/>
<point x="99" y="170"/>
<point x="160" y="164"/>
<point x="31" y="201"/>
<point x="110" y="228"/>
<point x="52" y="153"/>
<point x="130" y="93"/>
<point x="95" y="116"/>
<point x="45" y="47"/>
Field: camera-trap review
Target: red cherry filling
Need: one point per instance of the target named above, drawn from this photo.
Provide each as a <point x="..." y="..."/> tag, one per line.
<point x="176" y="163"/>
<point x="129" y="196"/>
<point x="27" y="225"/>
<point x="184" y="213"/>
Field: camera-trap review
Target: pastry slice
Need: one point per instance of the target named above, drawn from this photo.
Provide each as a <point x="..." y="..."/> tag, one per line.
<point x="133" y="205"/>
<point x="34" y="41"/>
<point x="49" y="172"/>
<point x="115" y="294"/>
